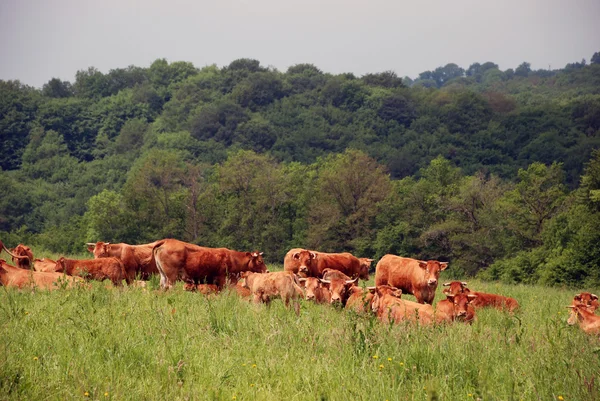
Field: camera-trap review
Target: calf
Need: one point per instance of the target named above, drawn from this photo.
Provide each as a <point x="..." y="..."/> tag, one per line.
<point x="12" y="276"/>
<point x="455" y="307"/>
<point x="266" y="286"/>
<point x="359" y="299"/>
<point x="588" y="321"/>
<point x="315" y="290"/>
<point x="96" y="269"/>
<point x="389" y="308"/>
<point x="483" y="299"/>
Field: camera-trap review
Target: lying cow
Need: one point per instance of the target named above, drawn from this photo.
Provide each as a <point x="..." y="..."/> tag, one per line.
<point x="21" y="262"/>
<point x="315" y="290"/>
<point x="389" y="308"/>
<point x="360" y="299"/>
<point x="96" y="269"/>
<point x="12" y="276"/>
<point x="137" y="259"/>
<point x="266" y="286"/>
<point x="483" y="299"/>
<point x="455" y="308"/>
<point x="588" y="321"/>
<point x="586" y="299"/>
<point x="412" y="276"/>
<point x="44" y="265"/>
<point x="312" y="264"/>
<point x="192" y="263"/>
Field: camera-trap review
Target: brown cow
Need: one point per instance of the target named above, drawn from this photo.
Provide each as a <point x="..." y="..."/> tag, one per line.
<point x="311" y="263"/>
<point x="266" y="286"/>
<point x="455" y="307"/>
<point x="483" y="299"/>
<point x="359" y="299"/>
<point x="192" y="263"/>
<point x="12" y="276"/>
<point x="20" y="262"/>
<point x="20" y="258"/>
<point x="389" y="308"/>
<point x="587" y="299"/>
<point x="339" y="285"/>
<point x="137" y="259"/>
<point x="412" y="276"/>
<point x="44" y="265"/>
<point x="206" y="289"/>
<point x="588" y="321"/>
<point x="96" y="269"/>
<point x="315" y="290"/>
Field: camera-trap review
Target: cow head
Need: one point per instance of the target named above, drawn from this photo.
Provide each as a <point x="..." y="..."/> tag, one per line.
<point x="382" y="291"/>
<point x="365" y="267"/>
<point x="256" y="263"/>
<point x="99" y="249"/>
<point x="455" y="287"/>
<point x="339" y="288"/>
<point x="60" y="265"/>
<point x="305" y="259"/>
<point x="23" y="256"/>
<point x="245" y="277"/>
<point x="587" y="299"/>
<point x="311" y="284"/>
<point x="431" y="270"/>
<point x="576" y="313"/>
<point x="460" y="303"/>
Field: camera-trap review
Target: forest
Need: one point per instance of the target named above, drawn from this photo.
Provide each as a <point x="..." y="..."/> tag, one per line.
<point x="496" y="172"/>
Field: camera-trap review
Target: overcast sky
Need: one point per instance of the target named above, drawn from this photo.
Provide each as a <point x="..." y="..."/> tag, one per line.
<point x="42" y="39"/>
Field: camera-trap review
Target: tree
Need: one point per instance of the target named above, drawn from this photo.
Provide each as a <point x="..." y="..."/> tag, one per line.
<point x="57" y="88"/>
<point x="386" y="79"/>
<point x="595" y="58"/>
<point x="523" y="69"/>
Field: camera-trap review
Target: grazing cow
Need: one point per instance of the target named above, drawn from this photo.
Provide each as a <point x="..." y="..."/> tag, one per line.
<point x="586" y="299"/>
<point x="195" y="264"/>
<point x="339" y="285"/>
<point x="96" y="269"/>
<point x="20" y="262"/>
<point x="588" y="321"/>
<point x="455" y="307"/>
<point x="315" y="290"/>
<point x="311" y="263"/>
<point x="389" y="308"/>
<point x="359" y="299"/>
<point x="44" y="265"/>
<point x="412" y="276"/>
<point x="137" y="259"/>
<point x="12" y="276"/>
<point x="483" y="299"/>
<point x="266" y="286"/>
<point x="20" y="258"/>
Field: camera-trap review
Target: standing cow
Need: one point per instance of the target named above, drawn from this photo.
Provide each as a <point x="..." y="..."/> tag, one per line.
<point x="309" y="263"/>
<point x="412" y="276"/>
<point x="192" y="263"/>
<point x="137" y="259"/>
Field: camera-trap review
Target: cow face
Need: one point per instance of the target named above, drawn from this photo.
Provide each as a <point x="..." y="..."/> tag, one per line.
<point x="311" y="285"/>
<point x="365" y="267"/>
<point x="455" y="287"/>
<point x="256" y="263"/>
<point x="460" y="304"/>
<point x="382" y="291"/>
<point x="587" y="299"/>
<point x="431" y="271"/>
<point x="305" y="259"/>
<point x="99" y="249"/>
<point x="60" y="265"/>
<point x="339" y="288"/>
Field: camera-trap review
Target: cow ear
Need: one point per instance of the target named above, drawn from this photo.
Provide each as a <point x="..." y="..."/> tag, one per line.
<point x="422" y="265"/>
<point x="296" y="255"/>
<point x="450" y="297"/>
<point x="313" y="255"/>
<point x="446" y="291"/>
<point x="443" y="265"/>
<point x="397" y="293"/>
<point x="248" y="254"/>
<point x="594" y="296"/>
<point x="91" y="247"/>
<point x="471" y="297"/>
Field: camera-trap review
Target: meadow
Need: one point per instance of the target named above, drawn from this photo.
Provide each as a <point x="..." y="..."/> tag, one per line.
<point x="109" y="343"/>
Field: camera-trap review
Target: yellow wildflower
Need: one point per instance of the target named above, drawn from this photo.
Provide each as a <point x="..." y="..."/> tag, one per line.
<point x="254" y="365"/>
<point x="470" y="395"/>
<point x="86" y="394"/>
<point x="381" y="366"/>
<point x="375" y="356"/>
<point x="560" y="397"/>
<point x="35" y="358"/>
<point x="234" y="398"/>
<point x="251" y="384"/>
<point x="390" y="359"/>
<point x="27" y="313"/>
<point x="401" y="363"/>
<point x="106" y="394"/>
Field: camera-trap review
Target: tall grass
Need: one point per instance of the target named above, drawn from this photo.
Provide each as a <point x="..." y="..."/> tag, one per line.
<point x="143" y="344"/>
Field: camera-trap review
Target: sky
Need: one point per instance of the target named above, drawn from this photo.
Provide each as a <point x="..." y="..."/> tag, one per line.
<point x="45" y="39"/>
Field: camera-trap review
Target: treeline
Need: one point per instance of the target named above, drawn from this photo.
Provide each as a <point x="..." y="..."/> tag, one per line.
<point x="485" y="168"/>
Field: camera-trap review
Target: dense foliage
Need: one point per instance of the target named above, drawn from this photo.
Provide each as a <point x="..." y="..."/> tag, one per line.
<point x="492" y="170"/>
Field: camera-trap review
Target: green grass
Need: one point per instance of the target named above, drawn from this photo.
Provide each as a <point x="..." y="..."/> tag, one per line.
<point x="138" y="344"/>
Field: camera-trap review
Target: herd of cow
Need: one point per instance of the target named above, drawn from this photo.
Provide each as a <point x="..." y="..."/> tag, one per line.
<point x="315" y="276"/>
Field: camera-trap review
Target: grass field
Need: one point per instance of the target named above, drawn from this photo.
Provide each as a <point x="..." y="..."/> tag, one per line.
<point x="144" y="344"/>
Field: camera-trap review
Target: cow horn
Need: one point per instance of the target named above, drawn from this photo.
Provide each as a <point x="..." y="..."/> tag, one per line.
<point x="302" y="279"/>
<point x="446" y="284"/>
<point x="464" y="283"/>
<point x="352" y="281"/>
<point x="296" y="255"/>
<point x="313" y="255"/>
<point x="570" y="307"/>
<point x="90" y="244"/>
<point x="594" y="296"/>
<point x="325" y="281"/>
<point x="371" y="288"/>
<point x="11" y="254"/>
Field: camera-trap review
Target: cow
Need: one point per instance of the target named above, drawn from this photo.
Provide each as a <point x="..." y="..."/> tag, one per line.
<point x="365" y="266"/>
<point x="455" y="308"/>
<point x="12" y="276"/>
<point x="23" y="263"/>
<point x="586" y="299"/>
<point x="412" y="276"/>
<point x="309" y="263"/>
<point x="137" y="259"/>
<point x="96" y="269"/>
<point x="266" y="286"/>
<point x="19" y="258"/>
<point x="359" y="299"/>
<point x="483" y="299"/>
<point x="315" y="290"/>
<point x="339" y="285"/>
<point x="389" y="308"/>
<point x="206" y="289"/>
<point x="195" y="264"/>
<point x="44" y="265"/>
<point x="588" y="321"/>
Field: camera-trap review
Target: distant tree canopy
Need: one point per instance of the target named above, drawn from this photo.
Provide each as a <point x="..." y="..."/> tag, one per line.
<point x="495" y="171"/>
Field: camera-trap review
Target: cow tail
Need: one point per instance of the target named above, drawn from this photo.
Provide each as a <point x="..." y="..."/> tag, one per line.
<point x="159" y="266"/>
